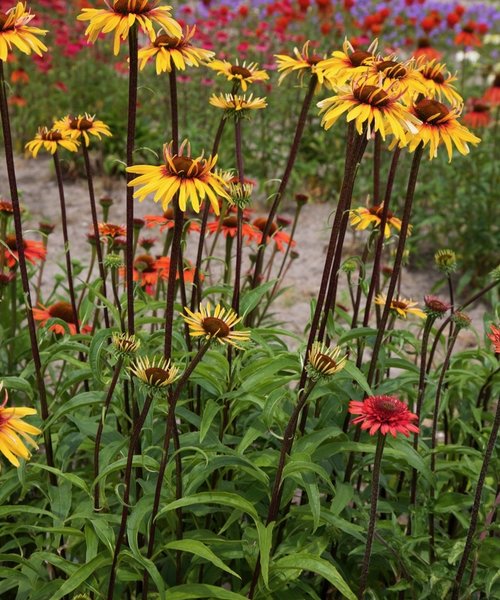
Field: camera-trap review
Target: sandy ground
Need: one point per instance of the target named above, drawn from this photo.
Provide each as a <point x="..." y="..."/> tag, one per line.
<point x="39" y="195"/>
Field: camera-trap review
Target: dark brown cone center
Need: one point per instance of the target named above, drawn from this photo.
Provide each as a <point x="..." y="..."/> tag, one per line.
<point x="10" y="241"/>
<point x="480" y="108"/>
<point x="156" y="376"/>
<point x="392" y="69"/>
<point x="243" y="71"/>
<point x="399" y="304"/>
<point x="230" y="221"/>
<point x="144" y="263"/>
<point x="370" y="94"/>
<point x="387" y="406"/>
<point x="325" y="362"/>
<point x="260" y="223"/>
<point x="51" y="136"/>
<point x="423" y="43"/>
<point x="359" y="57"/>
<point x="468" y="29"/>
<point x="377" y="211"/>
<point x="183" y="164"/>
<point x="437" y="306"/>
<point x="436" y="76"/>
<point x="125" y="7"/>
<point x="80" y="124"/>
<point x="3" y="20"/>
<point x="314" y="59"/>
<point x="63" y="311"/>
<point x="430" y="110"/>
<point x="496" y="82"/>
<point x="166" y="41"/>
<point x="215" y="327"/>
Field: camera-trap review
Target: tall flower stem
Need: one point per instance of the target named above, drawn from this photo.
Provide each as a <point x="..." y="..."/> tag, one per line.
<point x="286" y="447"/>
<point x="377" y="151"/>
<point x="178" y="225"/>
<point x="239" y="236"/>
<point x="196" y="293"/>
<point x="410" y="192"/>
<point x="169" y="432"/>
<point x="132" y="116"/>
<point x="420" y="398"/>
<point x="134" y="439"/>
<point x="444" y="368"/>
<point x="476" y="504"/>
<point x="67" y="253"/>
<point x="93" y="210"/>
<point x="259" y="261"/>
<point x="100" y="428"/>
<point x="11" y="173"/>
<point x="373" y="515"/>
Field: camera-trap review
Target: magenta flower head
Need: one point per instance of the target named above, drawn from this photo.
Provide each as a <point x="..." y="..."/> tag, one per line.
<point x="384" y="413"/>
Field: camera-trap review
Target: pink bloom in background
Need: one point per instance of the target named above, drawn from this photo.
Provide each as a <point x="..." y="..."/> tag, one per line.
<point x="384" y="413"/>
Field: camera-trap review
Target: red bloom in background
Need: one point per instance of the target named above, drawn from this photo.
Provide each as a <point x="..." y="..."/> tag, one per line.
<point x="280" y="237"/>
<point x="33" y="251"/>
<point x="478" y="115"/>
<point x="229" y="228"/>
<point x="59" y="310"/>
<point x="492" y="94"/>
<point x="424" y="48"/>
<point x="166" y="221"/>
<point x="468" y="37"/>
<point x="495" y="338"/>
<point x="384" y="413"/>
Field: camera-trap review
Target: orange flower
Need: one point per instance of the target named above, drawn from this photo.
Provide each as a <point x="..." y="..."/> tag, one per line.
<point x="280" y="237"/>
<point x="425" y="49"/>
<point x="478" y="116"/>
<point x="19" y="76"/>
<point x="62" y="311"/>
<point x="468" y="37"/>
<point x="33" y="251"/>
<point x="111" y="231"/>
<point x="492" y="94"/>
<point x="167" y="221"/>
<point x="229" y="228"/>
<point x="495" y="338"/>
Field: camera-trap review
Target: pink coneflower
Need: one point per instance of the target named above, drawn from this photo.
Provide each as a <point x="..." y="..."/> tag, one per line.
<point x="384" y="413"/>
<point x="495" y="338"/>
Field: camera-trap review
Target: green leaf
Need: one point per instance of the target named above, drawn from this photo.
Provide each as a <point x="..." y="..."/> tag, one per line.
<point x="358" y="377"/>
<point x="199" y="591"/>
<point x="308" y="562"/>
<point x="81" y="575"/>
<point x="209" y="412"/>
<point x="265" y="535"/>
<point x="200" y="549"/>
<point x="251" y="299"/>
<point x="17" y="383"/>
<point x="98" y="347"/>
<point x="223" y="498"/>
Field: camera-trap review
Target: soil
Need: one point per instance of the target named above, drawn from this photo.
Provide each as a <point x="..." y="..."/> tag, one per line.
<point x="39" y="196"/>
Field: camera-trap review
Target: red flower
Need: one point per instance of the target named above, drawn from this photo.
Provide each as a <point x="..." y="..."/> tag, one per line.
<point x="280" y="237"/>
<point x="492" y="94"/>
<point x="468" y="37"/>
<point x="59" y="310"/>
<point x="229" y="227"/>
<point x="478" y="115"/>
<point x="33" y="251"/>
<point x="424" y="48"/>
<point x="384" y="413"/>
<point x="495" y="338"/>
<point x="166" y="221"/>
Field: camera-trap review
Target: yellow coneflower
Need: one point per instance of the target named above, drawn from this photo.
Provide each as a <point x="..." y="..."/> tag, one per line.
<point x="82" y="126"/>
<point x="244" y="73"/>
<point x="347" y="64"/>
<point x="323" y="361"/>
<point x="237" y="105"/>
<point x="125" y="344"/>
<point x="370" y="105"/>
<point x="438" y="82"/>
<point x="123" y="14"/>
<point x="402" y="77"/>
<point x="156" y="373"/>
<point x="11" y="427"/>
<point x="51" y="140"/>
<point x="192" y="178"/>
<point x="14" y="31"/>
<point x="362" y="217"/>
<point x="401" y="307"/>
<point x="303" y="64"/>
<point x="218" y="324"/>
<point x="446" y="260"/>
<point x="177" y="51"/>
<point x="439" y="124"/>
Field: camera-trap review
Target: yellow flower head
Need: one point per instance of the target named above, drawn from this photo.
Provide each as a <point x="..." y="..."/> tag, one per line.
<point x="177" y="51"/>
<point x="82" y="126"/>
<point x="237" y="105"/>
<point x="192" y="178"/>
<point x="362" y="217"/>
<point x="14" y="31"/>
<point x="347" y="64"/>
<point x="323" y="361"/>
<point x="11" y="427"/>
<point x="401" y="307"/>
<point x="370" y="106"/>
<point x="51" y="140"/>
<point x="242" y="74"/>
<point x="439" y="124"/>
<point x="218" y="324"/>
<point x="303" y="64"/>
<point x="438" y="82"/>
<point x="156" y="373"/>
<point x="121" y="16"/>
<point x="402" y="77"/>
<point x="125" y="344"/>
